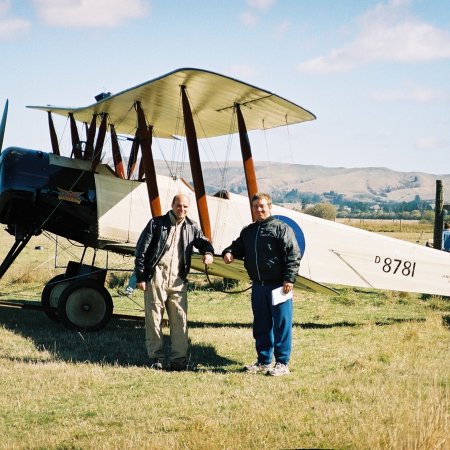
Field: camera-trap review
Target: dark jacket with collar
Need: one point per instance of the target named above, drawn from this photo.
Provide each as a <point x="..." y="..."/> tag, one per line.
<point x="269" y="250"/>
<point x="152" y="245"/>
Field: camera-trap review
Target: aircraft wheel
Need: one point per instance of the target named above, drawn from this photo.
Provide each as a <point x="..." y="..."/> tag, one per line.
<point x="50" y="296"/>
<point x="85" y="306"/>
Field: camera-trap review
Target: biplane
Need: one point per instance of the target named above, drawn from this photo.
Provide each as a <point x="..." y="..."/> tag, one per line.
<point x="103" y="206"/>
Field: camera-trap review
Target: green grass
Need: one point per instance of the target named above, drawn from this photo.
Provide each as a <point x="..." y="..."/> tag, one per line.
<point x="370" y="369"/>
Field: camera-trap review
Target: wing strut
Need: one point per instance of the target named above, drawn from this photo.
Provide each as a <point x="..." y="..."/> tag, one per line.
<point x="145" y="140"/>
<point x="247" y="158"/>
<point x="100" y="141"/>
<point x="53" y="136"/>
<point x="133" y="155"/>
<point x="117" y="156"/>
<point x="89" y="147"/>
<point x="196" y="168"/>
<point x="76" y="143"/>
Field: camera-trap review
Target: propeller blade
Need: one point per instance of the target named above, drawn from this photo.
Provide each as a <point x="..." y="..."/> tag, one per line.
<point x="3" y="125"/>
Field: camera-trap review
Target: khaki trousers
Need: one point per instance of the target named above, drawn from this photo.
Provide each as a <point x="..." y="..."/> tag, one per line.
<point x="157" y="298"/>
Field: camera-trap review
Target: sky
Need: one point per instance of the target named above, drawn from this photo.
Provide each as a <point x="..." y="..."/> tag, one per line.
<point x="376" y="73"/>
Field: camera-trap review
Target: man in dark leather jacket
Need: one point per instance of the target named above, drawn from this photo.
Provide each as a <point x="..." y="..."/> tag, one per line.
<point x="163" y="260"/>
<point x="272" y="259"/>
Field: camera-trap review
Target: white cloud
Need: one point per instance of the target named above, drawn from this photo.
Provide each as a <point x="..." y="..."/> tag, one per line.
<point x="415" y="94"/>
<point x="262" y="5"/>
<point x="249" y="19"/>
<point x="10" y="26"/>
<point x="282" y="28"/>
<point x="385" y="33"/>
<point x="431" y="143"/>
<point x="90" y="13"/>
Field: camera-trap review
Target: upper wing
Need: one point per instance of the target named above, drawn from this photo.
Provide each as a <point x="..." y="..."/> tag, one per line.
<point x="212" y="95"/>
<point x="236" y="271"/>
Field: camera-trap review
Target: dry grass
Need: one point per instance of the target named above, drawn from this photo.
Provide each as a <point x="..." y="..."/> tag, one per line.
<point x="407" y="230"/>
<point x="370" y="369"/>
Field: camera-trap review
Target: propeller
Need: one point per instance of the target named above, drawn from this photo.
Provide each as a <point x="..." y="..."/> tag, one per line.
<point x="3" y="125"/>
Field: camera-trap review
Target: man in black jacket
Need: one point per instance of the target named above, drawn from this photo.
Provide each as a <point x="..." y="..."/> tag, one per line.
<point x="272" y="259"/>
<point x="162" y="264"/>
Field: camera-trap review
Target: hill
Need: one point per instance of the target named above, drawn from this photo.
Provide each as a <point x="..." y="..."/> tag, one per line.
<point x="370" y="184"/>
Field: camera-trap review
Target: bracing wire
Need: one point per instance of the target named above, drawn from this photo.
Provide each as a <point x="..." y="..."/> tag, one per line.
<point x="291" y="153"/>
<point x="269" y="165"/>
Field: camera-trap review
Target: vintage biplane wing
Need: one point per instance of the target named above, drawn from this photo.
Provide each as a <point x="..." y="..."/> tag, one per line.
<point x="236" y="271"/>
<point x="85" y="200"/>
<point x="213" y="98"/>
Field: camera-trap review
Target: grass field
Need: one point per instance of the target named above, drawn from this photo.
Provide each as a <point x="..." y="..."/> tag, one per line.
<point x="370" y="369"/>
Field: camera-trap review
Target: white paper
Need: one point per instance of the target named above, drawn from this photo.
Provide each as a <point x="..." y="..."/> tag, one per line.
<point x="279" y="296"/>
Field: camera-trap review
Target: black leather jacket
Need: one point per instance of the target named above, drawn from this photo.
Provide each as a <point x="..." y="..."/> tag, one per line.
<point x="269" y="250"/>
<point x="152" y="245"/>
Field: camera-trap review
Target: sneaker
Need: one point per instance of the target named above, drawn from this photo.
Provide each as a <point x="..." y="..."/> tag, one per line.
<point x="278" y="370"/>
<point x="156" y="364"/>
<point x="256" y="367"/>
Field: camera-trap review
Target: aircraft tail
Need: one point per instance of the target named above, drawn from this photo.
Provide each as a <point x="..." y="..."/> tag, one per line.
<point x="3" y="125"/>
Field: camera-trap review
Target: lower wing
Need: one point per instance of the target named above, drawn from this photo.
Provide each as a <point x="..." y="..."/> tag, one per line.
<point x="236" y="271"/>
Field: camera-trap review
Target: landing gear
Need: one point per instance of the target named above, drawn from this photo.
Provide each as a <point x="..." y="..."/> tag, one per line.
<point x="50" y="296"/>
<point x="78" y="298"/>
<point x="85" y="306"/>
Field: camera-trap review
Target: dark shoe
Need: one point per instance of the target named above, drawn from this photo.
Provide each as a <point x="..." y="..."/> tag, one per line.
<point x="156" y="364"/>
<point x="278" y="370"/>
<point x="256" y="367"/>
<point x="178" y="365"/>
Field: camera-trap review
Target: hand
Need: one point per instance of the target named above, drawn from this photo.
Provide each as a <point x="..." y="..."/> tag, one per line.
<point x="141" y="285"/>
<point x="228" y="258"/>
<point x="208" y="259"/>
<point x="287" y="287"/>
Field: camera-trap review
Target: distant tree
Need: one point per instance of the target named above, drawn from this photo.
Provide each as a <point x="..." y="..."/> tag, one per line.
<point x="322" y="210"/>
<point x="427" y="217"/>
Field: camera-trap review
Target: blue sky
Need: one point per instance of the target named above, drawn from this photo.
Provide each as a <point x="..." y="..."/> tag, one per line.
<point x="376" y="73"/>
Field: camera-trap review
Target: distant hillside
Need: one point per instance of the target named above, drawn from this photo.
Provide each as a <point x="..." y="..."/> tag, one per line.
<point x="360" y="184"/>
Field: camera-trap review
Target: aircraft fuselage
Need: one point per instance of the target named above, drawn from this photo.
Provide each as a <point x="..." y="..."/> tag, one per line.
<point x="36" y="195"/>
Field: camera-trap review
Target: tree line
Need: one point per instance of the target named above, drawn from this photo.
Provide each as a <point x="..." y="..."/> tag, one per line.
<point x="332" y="205"/>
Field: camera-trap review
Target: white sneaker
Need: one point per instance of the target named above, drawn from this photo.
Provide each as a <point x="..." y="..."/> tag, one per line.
<point x="278" y="370"/>
<point x="256" y="367"/>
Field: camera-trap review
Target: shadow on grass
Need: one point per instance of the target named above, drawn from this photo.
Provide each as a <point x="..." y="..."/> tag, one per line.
<point x="120" y="343"/>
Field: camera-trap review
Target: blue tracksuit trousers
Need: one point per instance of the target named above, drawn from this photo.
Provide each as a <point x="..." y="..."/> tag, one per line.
<point x="272" y="325"/>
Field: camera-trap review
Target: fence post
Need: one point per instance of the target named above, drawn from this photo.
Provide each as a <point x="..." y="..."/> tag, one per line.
<point x="438" y="216"/>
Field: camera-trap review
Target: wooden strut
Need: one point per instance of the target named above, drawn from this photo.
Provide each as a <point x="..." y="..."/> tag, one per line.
<point x="196" y="169"/>
<point x="145" y="140"/>
<point x="100" y="141"/>
<point x="90" y="137"/>
<point x="76" y="143"/>
<point x="117" y="156"/>
<point x="247" y="158"/>
<point x="133" y="155"/>
<point x="53" y="136"/>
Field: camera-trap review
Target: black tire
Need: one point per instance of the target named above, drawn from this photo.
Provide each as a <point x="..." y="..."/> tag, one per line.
<point x="50" y="296"/>
<point x="85" y="305"/>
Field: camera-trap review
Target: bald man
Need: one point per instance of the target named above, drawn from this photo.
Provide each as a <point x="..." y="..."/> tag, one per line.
<point x="162" y="264"/>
